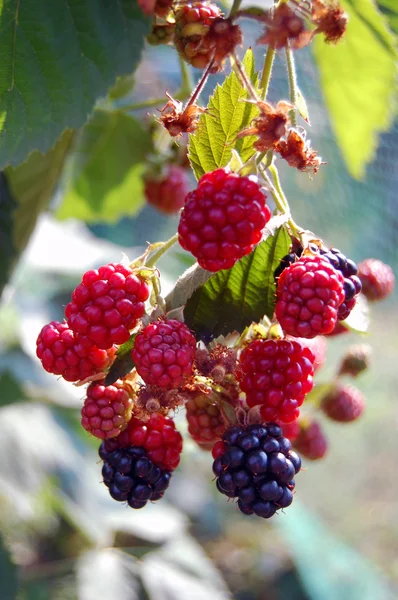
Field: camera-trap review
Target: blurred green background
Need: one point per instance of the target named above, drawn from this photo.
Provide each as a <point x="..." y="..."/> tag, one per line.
<point x="62" y="536"/>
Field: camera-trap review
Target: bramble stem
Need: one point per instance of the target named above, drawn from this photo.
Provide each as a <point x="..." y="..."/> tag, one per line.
<point x="283" y="205"/>
<point x="293" y="93"/>
<point x="267" y="71"/>
<point x="234" y="8"/>
<point x="162" y="250"/>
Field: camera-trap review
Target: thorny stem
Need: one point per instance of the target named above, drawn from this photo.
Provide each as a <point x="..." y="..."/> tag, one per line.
<point x="200" y="85"/>
<point x="246" y="82"/>
<point x="293" y="89"/>
<point x="162" y="250"/>
<point x="267" y="71"/>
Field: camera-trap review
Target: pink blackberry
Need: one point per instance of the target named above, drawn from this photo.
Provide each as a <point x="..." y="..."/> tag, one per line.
<point x="276" y="375"/>
<point x="319" y="348"/>
<point x="106" y="410"/>
<point x="344" y="403"/>
<point x="131" y="476"/>
<point x="163" y="353"/>
<point x="223" y="219"/>
<point x="377" y="279"/>
<point x="309" y="294"/>
<point x="311" y="441"/>
<point x="257" y="466"/>
<point x="352" y="283"/>
<point x="107" y="304"/>
<point x="168" y="191"/>
<point x="73" y="356"/>
<point x="205" y="421"/>
<point x="158" y="436"/>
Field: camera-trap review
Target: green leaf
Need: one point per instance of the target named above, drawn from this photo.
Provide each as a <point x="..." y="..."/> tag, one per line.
<point x="358" y="78"/>
<point x="105" y="178"/>
<point x="234" y="298"/>
<point x="123" y="363"/>
<point x="25" y="191"/>
<point x="8" y="575"/>
<point x="57" y="58"/>
<point x="11" y="389"/>
<point x="389" y="8"/>
<point x="212" y="143"/>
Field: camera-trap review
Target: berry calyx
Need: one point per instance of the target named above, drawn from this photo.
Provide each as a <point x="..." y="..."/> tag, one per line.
<point x="311" y="441"/>
<point x="73" y="356"/>
<point x="377" y="279"/>
<point x="205" y="421"/>
<point x="344" y="404"/>
<point x="158" y="436"/>
<point x="203" y="36"/>
<point x="257" y="467"/>
<point x="223" y="219"/>
<point x="167" y="192"/>
<point x="276" y="375"/>
<point x="309" y="293"/>
<point x="163" y="353"/>
<point x="131" y="476"/>
<point x="106" y="410"/>
<point x="107" y="304"/>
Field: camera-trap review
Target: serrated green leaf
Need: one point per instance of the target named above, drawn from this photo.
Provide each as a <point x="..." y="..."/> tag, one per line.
<point x="358" y="78"/>
<point x="212" y="143"/>
<point x="234" y="298"/>
<point x="389" y="8"/>
<point x="123" y="363"/>
<point x="25" y="191"/>
<point x="57" y="58"/>
<point x="105" y="178"/>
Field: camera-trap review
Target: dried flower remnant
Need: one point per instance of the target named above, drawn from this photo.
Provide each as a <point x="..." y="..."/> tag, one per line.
<point x="329" y="19"/>
<point x="177" y="119"/>
<point x="285" y="27"/>
<point x="298" y="153"/>
<point x="270" y="126"/>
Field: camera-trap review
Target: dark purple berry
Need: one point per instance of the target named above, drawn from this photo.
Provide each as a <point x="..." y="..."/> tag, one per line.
<point x="257" y="461"/>
<point x="295" y="460"/>
<point x="233" y="457"/>
<point x="123" y="482"/>
<point x="248" y="441"/>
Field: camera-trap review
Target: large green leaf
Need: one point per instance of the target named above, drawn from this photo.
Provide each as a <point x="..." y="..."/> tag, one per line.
<point x="212" y="143"/>
<point x="25" y="191"/>
<point x="389" y="8"/>
<point x="104" y="181"/>
<point x="57" y="58"/>
<point x="358" y="78"/>
<point x="232" y="299"/>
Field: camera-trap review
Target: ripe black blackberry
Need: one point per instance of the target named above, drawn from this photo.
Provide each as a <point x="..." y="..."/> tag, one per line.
<point x="288" y="259"/>
<point x="130" y="475"/>
<point x="257" y="466"/>
<point x="352" y="283"/>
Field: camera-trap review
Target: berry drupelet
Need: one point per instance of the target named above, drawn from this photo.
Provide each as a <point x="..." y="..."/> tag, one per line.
<point x="256" y="465"/>
<point x="352" y="284"/>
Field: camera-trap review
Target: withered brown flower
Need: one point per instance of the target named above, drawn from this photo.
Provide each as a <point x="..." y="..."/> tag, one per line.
<point x="177" y="119"/>
<point x="297" y="152"/>
<point x="270" y="126"/>
<point x="284" y="26"/>
<point x="330" y="19"/>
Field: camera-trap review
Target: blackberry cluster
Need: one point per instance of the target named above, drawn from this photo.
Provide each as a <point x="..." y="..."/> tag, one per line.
<point x="352" y="283"/>
<point x="257" y="466"/>
<point x="131" y="476"/>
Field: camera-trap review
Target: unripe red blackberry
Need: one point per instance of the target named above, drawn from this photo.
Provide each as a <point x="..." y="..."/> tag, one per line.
<point x="356" y="360"/>
<point x="276" y="375"/>
<point x="168" y="191"/>
<point x="377" y="279"/>
<point x="352" y="283"/>
<point x="223" y="219"/>
<point x="202" y="35"/>
<point x="344" y="403"/>
<point x="257" y="466"/>
<point x="309" y="294"/>
<point x="163" y="353"/>
<point x="131" y="476"/>
<point x="73" y="356"/>
<point x="319" y="348"/>
<point x="158" y="436"/>
<point x="106" y="410"/>
<point x="107" y="304"/>
<point x="205" y="421"/>
<point x="311" y="441"/>
<point x="291" y="431"/>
